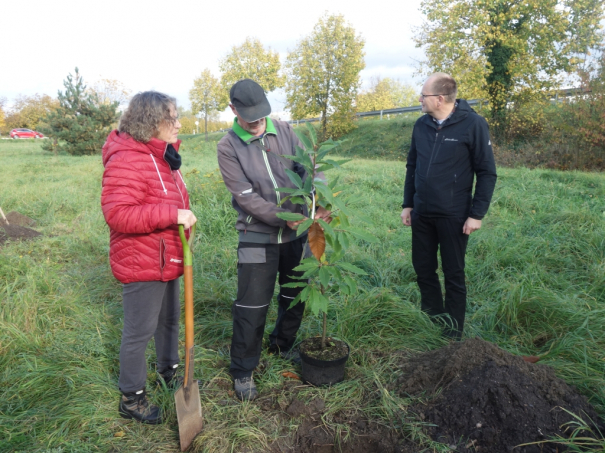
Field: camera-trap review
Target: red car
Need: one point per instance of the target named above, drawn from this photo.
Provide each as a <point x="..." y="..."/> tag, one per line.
<point x="25" y="133"/>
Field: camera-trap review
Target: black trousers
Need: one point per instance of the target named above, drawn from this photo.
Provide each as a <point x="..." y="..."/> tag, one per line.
<point x="430" y="234"/>
<point x="257" y="268"/>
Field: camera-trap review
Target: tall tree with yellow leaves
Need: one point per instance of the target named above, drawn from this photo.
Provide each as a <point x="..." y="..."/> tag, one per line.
<point x="322" y="75"/>
<point x="207" y="96"/>
<point x="251" y="60"/>
<point x="386" y="94"/>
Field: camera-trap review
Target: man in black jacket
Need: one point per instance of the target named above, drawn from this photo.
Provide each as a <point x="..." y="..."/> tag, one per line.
<point x="450" y="146"/>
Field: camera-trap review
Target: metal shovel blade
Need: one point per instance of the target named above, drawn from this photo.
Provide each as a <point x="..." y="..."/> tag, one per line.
<point x="189" y="413"/>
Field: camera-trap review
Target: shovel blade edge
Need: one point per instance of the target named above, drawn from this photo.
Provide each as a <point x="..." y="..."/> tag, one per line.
<point x="189" y="413"/>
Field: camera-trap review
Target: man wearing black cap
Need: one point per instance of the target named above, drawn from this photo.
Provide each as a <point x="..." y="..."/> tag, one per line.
<point x="250" y="161"/>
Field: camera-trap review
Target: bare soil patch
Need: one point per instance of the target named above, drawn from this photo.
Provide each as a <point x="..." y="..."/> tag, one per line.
<point x="16" y="228"/>
<point x="314" y="436"/>
<point x="491" y="400"/>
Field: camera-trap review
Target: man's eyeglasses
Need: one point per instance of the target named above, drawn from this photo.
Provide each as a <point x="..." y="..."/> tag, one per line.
<point x="427" y="95"/>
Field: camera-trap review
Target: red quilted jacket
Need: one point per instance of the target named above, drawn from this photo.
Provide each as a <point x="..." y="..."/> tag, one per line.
<point x="141" y="197"/>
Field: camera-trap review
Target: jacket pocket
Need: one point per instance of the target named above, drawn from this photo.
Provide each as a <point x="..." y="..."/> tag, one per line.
<point x="251" y="255"/>
<point x="162" y="255"/>
<point x="453" y="190"/>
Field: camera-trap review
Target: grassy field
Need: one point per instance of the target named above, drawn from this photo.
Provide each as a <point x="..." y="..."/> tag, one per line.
<point x="386" y="139"/>
<point x="535" y="271"/>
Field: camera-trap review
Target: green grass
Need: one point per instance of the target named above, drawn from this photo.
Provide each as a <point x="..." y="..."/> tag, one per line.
<point x="535" y="271"/>
<point x="389" y="138"/>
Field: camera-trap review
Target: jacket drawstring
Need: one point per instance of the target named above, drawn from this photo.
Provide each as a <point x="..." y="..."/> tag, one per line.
<point x="159" y="176"/>
<point x="179" y="172"/>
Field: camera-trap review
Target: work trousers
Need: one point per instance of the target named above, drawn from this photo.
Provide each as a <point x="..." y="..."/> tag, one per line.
<point x="430" y="234"/>
<point x="257" y="268"/>
<point x="151" y="309"/>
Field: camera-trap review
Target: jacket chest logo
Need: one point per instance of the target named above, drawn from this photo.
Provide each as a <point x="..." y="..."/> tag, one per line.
<point x="450" y="140"/>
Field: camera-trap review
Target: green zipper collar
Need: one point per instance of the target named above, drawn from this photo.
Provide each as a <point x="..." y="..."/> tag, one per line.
<point x="246" y="136"/>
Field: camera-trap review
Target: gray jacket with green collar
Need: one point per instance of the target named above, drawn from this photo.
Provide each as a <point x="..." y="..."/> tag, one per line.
<point x="252" y="171"/>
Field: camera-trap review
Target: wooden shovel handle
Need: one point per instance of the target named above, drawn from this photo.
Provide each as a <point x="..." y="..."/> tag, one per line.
<point x="188" y="325"/>
<point x="188" y="277"/>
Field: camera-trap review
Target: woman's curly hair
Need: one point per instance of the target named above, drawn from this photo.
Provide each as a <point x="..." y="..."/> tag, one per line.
<point x="145" y="113"/>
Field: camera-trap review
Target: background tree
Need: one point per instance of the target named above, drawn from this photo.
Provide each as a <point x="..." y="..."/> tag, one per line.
<point x="322" y="75"/>
<point x="2" y="114"/>
<point x="386" y="94"/>
<point x="207" y="96"/>
<point x="251" y="60"/>
<point x="81" y="123"/>
<point x="28" y="111"/>
<point x="404" y="95"/>
<point x="188" y="119"/>
<point x="498" y="49"/>
<point x="109" y="91"/>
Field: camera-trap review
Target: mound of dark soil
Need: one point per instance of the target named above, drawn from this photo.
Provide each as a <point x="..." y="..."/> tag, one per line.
<point x="16" y="229"/>
<point x="15" y="218"/>
<point x="491" y="401"/>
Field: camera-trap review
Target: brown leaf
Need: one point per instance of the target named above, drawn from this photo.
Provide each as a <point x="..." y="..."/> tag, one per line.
<point x="119" y="434"/>
<point x="530" y="358"/>
<point x="317" y="240"/>
<point x="289" y="375"/>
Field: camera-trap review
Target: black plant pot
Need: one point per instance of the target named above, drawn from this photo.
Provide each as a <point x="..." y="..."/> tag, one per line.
<point x="322" y="372"/>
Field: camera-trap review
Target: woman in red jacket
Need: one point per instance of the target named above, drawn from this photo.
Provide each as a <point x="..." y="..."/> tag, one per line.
<point x="144" y="199"/>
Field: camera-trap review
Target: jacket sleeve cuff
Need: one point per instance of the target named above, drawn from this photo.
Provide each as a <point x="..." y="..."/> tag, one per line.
<point x="174" y="214"/>
<point x="476" y="217"/>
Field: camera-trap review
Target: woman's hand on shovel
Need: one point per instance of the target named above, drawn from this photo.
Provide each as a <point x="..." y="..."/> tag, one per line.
<point x="186" y="218"/>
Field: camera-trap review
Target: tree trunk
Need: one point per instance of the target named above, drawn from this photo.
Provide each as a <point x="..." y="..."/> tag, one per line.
<point x="206" y="126"/>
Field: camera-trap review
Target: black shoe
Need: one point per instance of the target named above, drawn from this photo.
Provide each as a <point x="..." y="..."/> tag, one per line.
<point x="291" y="355"/>
<point x="136" y="406"/>
<point x="452" y="334"/>
<point x="169" y="378"/>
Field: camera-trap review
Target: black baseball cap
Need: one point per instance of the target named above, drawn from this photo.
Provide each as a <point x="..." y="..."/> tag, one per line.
<point x="248" y="97"/>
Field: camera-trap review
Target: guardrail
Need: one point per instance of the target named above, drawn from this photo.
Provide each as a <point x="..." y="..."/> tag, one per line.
<point x="416" y="108"/>
<point x="563" y="93"/>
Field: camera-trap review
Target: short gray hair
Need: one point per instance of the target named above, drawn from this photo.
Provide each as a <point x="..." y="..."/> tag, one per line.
<point x="145" y="113"/>
<point x="445" y="84"/>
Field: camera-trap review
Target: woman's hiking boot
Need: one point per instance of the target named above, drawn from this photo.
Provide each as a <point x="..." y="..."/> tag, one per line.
<point x="135" y="405"/>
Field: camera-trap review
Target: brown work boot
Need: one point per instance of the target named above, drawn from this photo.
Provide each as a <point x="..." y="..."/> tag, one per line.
<point x="135" y="405"/>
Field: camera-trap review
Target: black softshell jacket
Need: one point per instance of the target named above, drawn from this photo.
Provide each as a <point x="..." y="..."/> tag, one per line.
<point x="443" y="162"/>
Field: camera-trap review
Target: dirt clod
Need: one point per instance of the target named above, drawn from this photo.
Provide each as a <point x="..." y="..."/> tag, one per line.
<point x="491" y="400"/>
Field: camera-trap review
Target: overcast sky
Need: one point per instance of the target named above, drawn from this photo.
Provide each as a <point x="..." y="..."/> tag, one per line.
<point x="164" y="45"/>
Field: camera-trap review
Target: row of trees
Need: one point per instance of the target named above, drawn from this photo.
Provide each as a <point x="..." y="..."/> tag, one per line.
<point x="510" y="52"/>
<point x="27" y="111"/>
<point x="321" y="77"/>
<point x="30" y="111"/>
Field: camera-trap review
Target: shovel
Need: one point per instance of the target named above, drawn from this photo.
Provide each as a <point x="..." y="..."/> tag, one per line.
<point x="187" y="397"/>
